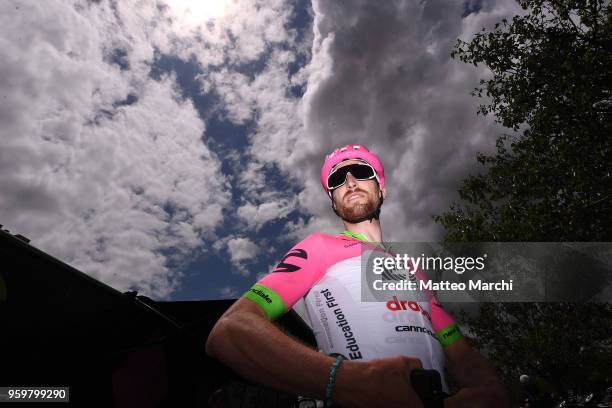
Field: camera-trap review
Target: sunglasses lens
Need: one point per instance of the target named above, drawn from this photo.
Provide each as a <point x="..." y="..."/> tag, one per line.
<point x="362" y="172"/>
<point x="359" y="171"/>
<point x="336" y="179"/>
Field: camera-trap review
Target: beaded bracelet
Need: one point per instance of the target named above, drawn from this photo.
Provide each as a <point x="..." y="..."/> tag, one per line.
<point x="332" y="380"/>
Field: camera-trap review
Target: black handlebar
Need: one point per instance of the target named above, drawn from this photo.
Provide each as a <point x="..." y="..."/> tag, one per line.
<point x="428" y="387"/>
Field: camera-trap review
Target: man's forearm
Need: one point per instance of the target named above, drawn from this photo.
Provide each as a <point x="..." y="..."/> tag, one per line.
<point x="254" y="347"/>
<point x="260" y="351"/>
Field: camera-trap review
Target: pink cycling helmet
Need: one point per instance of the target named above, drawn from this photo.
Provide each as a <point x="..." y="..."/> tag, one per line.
<point x="349" y="152"/>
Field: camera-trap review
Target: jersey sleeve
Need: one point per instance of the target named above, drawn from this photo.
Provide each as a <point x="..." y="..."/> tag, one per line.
<point x="447" y="330"/>
<point x="294" y="275"/>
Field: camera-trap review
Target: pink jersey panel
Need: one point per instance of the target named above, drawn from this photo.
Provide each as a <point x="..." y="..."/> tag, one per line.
<point x="439" y="317"/>
<point x="306" y="263"/>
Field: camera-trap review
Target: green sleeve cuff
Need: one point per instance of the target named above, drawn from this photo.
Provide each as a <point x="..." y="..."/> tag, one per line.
<point x="270" y="302"/>
<point x="449" y="335"/>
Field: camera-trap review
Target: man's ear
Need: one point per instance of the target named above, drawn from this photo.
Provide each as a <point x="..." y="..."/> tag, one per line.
<point x="384" y="193"/>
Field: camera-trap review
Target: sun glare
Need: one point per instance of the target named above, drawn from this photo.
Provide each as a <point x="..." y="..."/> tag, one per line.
<point x="196" y="12"/>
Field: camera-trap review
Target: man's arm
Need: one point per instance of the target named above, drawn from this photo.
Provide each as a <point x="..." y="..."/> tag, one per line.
<point x="249" y="343"/>
<point x="482" y="387"/>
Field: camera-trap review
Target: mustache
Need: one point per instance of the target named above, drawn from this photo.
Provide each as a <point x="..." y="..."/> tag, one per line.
<point x="357" y="190"/>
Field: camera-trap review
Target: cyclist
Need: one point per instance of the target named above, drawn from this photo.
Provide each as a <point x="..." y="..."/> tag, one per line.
<point x="376" y="344"/>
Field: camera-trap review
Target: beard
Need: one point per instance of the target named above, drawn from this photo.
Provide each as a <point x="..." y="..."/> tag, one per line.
<point x="355" y="213"/>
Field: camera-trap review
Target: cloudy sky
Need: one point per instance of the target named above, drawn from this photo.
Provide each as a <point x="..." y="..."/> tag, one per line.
<point x="173" y="146"/>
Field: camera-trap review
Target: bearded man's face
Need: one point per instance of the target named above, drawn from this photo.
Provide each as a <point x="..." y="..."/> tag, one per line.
<point x="356" y="199"/>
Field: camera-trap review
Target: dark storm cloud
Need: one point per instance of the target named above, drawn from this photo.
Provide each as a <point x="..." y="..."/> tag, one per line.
<point x="392" y="86"/>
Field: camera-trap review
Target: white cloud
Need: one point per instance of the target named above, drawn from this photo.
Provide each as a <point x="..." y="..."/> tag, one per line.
<point x="492" y="13"/>
<point x="242" y="251"/>
<point x="228" y="292"/>
<point x="240" y="34"/>
<point x="102" y="184"/>
<point x="265" y="98"/>
<point x="255" y="216"/>
<point x="237" y="95"/>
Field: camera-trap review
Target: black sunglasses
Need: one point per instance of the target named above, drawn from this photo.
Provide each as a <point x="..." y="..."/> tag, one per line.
<point x="361" y="171"/>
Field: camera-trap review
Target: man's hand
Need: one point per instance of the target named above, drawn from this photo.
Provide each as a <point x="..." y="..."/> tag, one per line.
<point x="377" y="383"/>
<point x="482" y="387"/>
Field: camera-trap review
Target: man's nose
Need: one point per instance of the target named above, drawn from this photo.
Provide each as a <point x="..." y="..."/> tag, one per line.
<point x="351" y="182"/>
